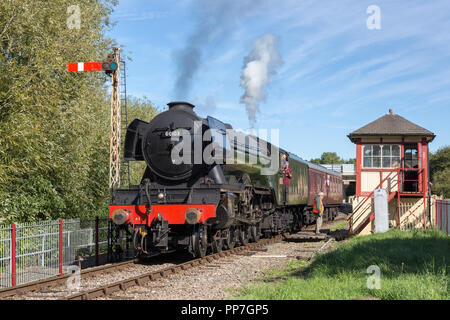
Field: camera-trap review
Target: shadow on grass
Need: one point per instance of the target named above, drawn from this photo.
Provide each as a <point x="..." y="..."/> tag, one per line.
<point x="394" y="252"/>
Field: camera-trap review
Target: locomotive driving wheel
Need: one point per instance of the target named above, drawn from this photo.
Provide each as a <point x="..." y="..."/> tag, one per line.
<point x="217" y="245"/>
<point x="230" y="241"/>
<point x="255" y="232"/>
<point x="200" y="241"/>
<point x="244" y="234"/>
<point x="217" y="242"/>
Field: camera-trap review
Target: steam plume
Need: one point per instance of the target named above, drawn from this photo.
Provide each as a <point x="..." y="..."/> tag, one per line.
<point x="258" y="67"/>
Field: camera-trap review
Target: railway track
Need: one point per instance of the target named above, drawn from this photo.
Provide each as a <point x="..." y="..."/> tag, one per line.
<point x="166" y="272"/>
<point x="118" y="290"/>
<point x="97" y="280"/>
<point x="57" y="288"/>
<point x="220" y="279"/>
<point x="55" y="281"/>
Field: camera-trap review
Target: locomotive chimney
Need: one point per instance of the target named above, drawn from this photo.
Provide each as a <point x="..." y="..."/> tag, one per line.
<point x="181" y="105"/>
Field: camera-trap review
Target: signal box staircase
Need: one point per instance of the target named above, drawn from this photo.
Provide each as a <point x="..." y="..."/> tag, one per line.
<point x="360" y="221"/>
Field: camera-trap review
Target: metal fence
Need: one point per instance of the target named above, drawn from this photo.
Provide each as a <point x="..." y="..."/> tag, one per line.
<point x="442" y="209"/>
<point x="342" y="168"/>
<point x="38" y="250"/>
<point x="5" y="254"/>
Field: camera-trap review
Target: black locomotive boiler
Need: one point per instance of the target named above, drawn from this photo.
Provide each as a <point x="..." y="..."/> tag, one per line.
<point x="200" y="205"/>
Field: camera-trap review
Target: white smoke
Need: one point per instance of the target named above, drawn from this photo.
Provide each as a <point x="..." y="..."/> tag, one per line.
<point x="258" y="67"/>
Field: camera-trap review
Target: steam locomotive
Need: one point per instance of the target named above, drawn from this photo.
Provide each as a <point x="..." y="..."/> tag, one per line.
<point x="200" y="205"/>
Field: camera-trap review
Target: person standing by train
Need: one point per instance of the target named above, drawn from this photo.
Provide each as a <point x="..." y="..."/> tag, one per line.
<point x="318" y="209"/>
<point x="287" y="174"/>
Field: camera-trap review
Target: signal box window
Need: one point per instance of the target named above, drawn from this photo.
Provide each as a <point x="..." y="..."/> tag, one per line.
<point x="381" y="156"/>
<point x="411" y="157"/>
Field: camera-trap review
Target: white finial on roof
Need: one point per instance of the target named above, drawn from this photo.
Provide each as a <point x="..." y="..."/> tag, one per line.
<point x="391" y="112"/>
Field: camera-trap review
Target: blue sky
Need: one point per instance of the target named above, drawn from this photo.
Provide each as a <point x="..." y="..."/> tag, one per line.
<point x="336" y="76"/>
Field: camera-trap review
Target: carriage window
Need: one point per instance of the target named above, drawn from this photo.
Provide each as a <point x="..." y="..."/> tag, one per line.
<point x="381" y="156"/>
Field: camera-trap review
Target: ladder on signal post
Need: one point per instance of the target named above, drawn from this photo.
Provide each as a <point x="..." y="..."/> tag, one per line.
<point x="124" y="164"/>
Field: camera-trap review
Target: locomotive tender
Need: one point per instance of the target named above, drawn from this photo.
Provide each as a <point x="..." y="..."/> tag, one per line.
<point x="199" y="204"/>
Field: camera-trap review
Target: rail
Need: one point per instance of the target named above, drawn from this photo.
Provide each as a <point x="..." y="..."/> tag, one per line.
<point x="124" y="284"/>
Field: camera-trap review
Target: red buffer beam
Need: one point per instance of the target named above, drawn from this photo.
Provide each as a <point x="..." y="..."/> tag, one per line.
<point x="85" y="66"/>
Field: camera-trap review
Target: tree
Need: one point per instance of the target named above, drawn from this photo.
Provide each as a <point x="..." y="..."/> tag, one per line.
<point x="440" y="171"/>
<point x="331" y="158"/>
<point x="54" y="125"/>
<point x="351" y="161"/>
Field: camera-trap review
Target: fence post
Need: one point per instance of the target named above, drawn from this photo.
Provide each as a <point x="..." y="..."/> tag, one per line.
<point x="43" y="249"/>
<point x="424" y="212"/>
<point x="435" y="211"/>
<point x="442" y="204"/>
<point x="60" y="246"/>
<point x="13" y="255"/>
<point x="447" y="215"/>
<point x="109" y="241"/>
<point x="96" y="241"/>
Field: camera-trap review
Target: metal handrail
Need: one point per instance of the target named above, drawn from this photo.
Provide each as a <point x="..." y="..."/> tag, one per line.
<point x="371" y="194"/>
<point x="351" y="218"/>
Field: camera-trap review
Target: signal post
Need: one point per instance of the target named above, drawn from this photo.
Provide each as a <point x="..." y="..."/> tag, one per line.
<point x="112" y="68"/>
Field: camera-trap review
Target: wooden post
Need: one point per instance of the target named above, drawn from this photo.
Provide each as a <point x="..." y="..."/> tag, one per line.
<point x="419" y="167"/>
<point x="398" y="210"/>
<point x="358" y="167"/>
<point x="424" y="211"/>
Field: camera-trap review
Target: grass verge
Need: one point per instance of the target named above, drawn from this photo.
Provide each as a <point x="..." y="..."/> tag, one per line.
<point x="413" y="265"/>
<point x="339" y="226"/>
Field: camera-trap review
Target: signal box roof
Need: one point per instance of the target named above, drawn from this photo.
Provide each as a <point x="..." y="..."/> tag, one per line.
<point x="391" y="125"/>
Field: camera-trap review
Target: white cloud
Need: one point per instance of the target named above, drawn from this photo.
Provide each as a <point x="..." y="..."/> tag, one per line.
<point x="139" y="16"/>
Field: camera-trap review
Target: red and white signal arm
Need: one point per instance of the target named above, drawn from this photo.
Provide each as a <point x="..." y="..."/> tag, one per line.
<point x="85" y="66"/>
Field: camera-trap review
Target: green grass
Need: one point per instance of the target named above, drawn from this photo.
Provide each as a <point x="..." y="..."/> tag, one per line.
<point x="339" y="226"/>
<point x="414" y="265"/>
